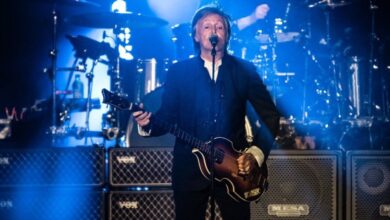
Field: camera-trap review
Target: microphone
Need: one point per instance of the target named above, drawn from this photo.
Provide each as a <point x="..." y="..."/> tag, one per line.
<point x="213" y="40"/>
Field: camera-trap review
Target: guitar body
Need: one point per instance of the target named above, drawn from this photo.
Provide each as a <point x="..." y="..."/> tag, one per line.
<point x="246" y="188"/>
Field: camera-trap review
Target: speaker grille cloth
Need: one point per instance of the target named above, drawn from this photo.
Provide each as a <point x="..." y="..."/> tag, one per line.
<point x="52" y="204"/>
<point x="52" y="166"/>
<point x="300" y="180"/>
<point x="147" y="205"/>
<point x="141" y="166"/>
<point x="141" y="205"/>
<point x="370" y="186"/>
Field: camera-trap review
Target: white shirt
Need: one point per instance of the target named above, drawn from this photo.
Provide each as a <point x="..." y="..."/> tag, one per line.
<point x="209" y="65"/>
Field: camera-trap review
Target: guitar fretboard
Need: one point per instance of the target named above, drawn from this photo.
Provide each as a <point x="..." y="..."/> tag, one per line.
<point x="182" y="135"/>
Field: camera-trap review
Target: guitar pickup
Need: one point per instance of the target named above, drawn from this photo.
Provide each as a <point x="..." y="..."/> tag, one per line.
<point x="219" y="154"/>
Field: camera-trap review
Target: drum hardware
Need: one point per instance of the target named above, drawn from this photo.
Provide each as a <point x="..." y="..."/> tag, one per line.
<point x="281" y="37"/>
<point x="354" y="128"/>
<point x="372" y="58"/>
<point x="355" y="90"/>
<point x="335" y="81"/>
<point x="119" y="22"/>
<point x="111" y="133"/>
<point x="111" y="129"/>
<point x="77" y="104"/>
<point x="266" y="59"/>
<point x="122" y="24"/>
<point x="146" y="69"/>
<point x="80" y="67"/>
<point x="113" y="116"/>
<point x="333" y="90"/>
<point x="285" y="74"/>
<point x="68" y="106"/>
<point x="77" y="132"/>
<point x="85" y="47"/>
<point x="64" y="116"/>
<point x="53" y="73"/>
<point x="290" y="135"/>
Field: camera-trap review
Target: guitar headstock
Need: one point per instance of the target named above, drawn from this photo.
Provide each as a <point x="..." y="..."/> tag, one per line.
<point x="116" y="100"/>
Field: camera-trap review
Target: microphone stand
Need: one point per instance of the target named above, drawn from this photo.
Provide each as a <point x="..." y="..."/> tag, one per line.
<point x="372" y="60"/>
<point x="53" y="55"/>
<point x="89" y="98"/>
<point x="212" y="196"/>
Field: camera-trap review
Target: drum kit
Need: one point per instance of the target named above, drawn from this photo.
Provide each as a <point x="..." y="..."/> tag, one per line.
<point x="87" y="49"/>
<point x="274" y="68"/>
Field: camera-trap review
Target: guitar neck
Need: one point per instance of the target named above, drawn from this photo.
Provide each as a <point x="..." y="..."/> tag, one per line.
<point x="181" y="134"/>
<point x="123" y="104"/>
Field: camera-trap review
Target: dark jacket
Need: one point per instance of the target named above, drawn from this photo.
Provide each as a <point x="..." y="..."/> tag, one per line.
<point x="188" y="103"/>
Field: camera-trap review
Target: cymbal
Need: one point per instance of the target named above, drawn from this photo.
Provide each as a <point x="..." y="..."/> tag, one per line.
<point x="335" y="5"/>
<point x="110" y="20"/>
<point x="328" y="4"/>
<point x="89" y="48"/>
<point x="280" y="37"/>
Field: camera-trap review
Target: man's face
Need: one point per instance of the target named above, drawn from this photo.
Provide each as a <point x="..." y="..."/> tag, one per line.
<point x="207" y="26"/>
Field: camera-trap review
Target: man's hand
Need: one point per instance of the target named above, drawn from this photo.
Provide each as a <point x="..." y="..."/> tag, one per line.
<point x="261" y="11"/>
<point x="142" y="118"/>
<point x="246" y="163"/>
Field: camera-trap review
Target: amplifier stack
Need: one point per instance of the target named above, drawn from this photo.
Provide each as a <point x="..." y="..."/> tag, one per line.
<point x="52" y="183"/>
<point x="135" y="183"/>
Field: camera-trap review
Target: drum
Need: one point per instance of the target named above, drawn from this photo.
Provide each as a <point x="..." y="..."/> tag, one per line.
<point x="142" y="76"/>
<point x="147" y="68"/>
<point x="152" y="102"/>
<point x="356" y="86"/>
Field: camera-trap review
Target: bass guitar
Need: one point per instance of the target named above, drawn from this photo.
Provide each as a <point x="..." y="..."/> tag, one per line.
<point x="245" y="188"/>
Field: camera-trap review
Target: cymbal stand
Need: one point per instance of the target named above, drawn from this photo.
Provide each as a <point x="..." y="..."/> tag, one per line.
<point x="310" y="57"/>
<point x="70" y="76"/>
<point x="53" y="75"/>
<point x="334" y="87"/>
<point x="372" y="60"/>
<point x="272" y="70"/>
<point x="334" y="83"/>
<point x="306" y="67"/>
<point x="116" y="87"/>
<point x="89" y="76"/>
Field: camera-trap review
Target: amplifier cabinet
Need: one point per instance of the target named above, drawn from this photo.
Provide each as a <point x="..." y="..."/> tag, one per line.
<point x="151" y="205"/>
<point x="368" y="185"/>
<point x="302" y="185"/>
<point x="140" y="166"/>
<point x="54" y="166"/>
<point x="50" y="204"/>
